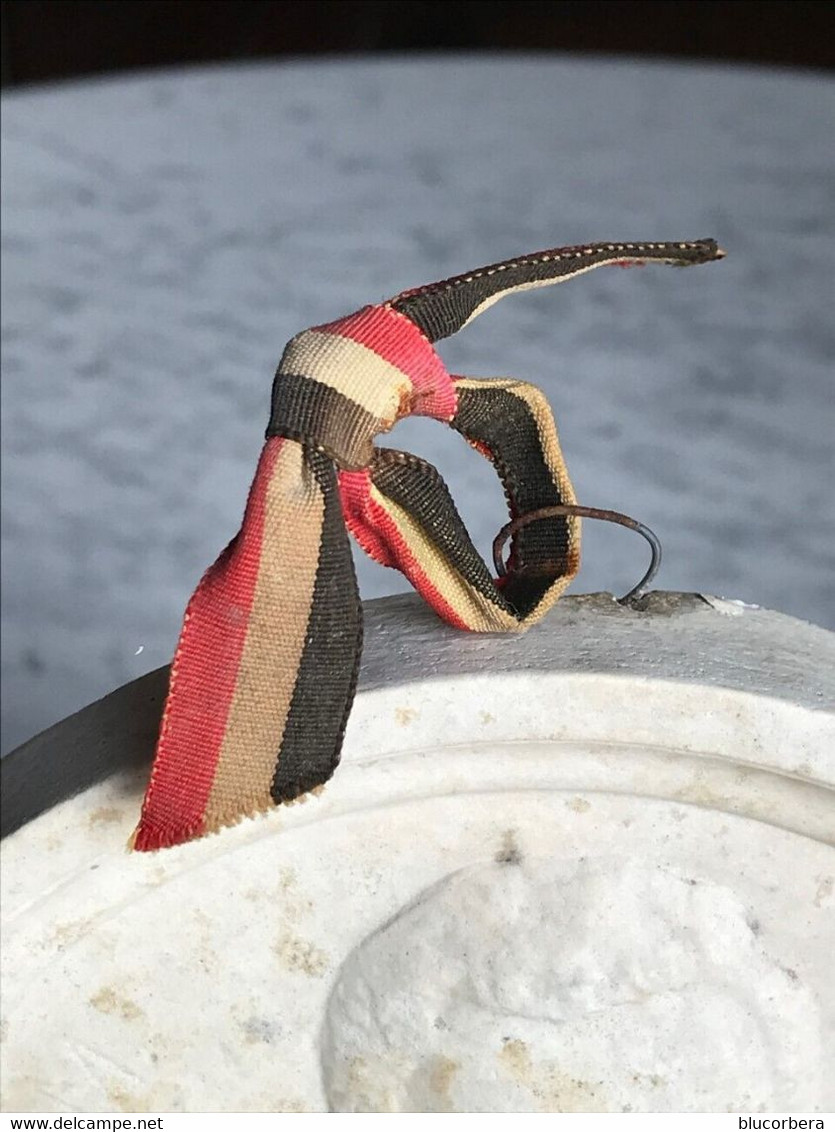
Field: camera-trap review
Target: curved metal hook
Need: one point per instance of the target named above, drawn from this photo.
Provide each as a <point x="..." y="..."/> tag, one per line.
<point x="585" y="513"/>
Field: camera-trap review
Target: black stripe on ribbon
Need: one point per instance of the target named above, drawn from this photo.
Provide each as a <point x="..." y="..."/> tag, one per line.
<point x="327" y="675"/>
<point x="504" y="423"/>
<point x="420" y="490"/>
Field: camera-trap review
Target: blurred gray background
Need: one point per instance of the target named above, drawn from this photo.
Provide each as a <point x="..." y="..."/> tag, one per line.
<point x="165" y="233"/>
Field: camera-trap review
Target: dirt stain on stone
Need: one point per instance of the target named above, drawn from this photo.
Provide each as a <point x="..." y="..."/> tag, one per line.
<point x="405" y="715"/>
<point x="366" y="1089"/>
<point x="652" y="1078"/>
<point x="258" y="1030"/>
<point x="515" y="1057"/>
<point x="67" y="934"/>
<point x="552" y="1088"/>
<point x="109" y="1001"/>
<point x="824" y="890"/>
<point x="104" y="815"/>
<point x="560" y="1092"/>
<point x="125" y="1101"/>
<point x="578" y="805"/>
<point x="442" y="1071"/>
<point x="508" y="852"/>
<point x="291" y="897"/>
<point x="301" y="956"/>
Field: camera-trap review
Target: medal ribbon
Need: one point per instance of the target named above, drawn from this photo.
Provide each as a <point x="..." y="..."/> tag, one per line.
<point x="265" y="671"/>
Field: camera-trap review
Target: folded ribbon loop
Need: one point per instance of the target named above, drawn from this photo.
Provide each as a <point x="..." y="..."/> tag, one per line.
<point x="265" y="671"/>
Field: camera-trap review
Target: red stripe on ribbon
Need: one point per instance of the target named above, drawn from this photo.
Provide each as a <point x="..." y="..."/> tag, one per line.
<point x="204" y="674"/>
<point x="355" y="494"/>
<point x="397" y="340"/>
<point x="378" y="534"/>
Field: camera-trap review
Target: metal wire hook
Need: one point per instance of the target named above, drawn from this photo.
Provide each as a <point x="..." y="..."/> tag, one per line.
<point x="585" y="513"/>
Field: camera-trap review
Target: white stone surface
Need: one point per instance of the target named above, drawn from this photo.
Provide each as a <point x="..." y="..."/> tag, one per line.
<point x="571" y="986"/>
<point x="587" y="869"/>
<point x="165" y="235"/>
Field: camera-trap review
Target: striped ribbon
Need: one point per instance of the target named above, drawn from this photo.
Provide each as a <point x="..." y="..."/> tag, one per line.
<point x="266" y="667"/>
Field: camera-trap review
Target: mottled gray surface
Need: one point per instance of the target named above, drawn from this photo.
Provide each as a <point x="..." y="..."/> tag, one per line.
<point x="729" y="645"/>
<point x="164" y="236"/>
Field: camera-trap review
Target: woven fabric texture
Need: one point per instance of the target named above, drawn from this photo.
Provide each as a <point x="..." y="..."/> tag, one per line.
<point x="265" y="671"/>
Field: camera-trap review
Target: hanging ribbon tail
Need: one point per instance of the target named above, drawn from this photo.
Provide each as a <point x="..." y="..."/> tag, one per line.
<point x="266" y="667"/>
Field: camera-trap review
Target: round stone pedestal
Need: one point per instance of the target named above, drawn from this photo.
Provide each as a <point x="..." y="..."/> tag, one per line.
<point x="585" y="869"/>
